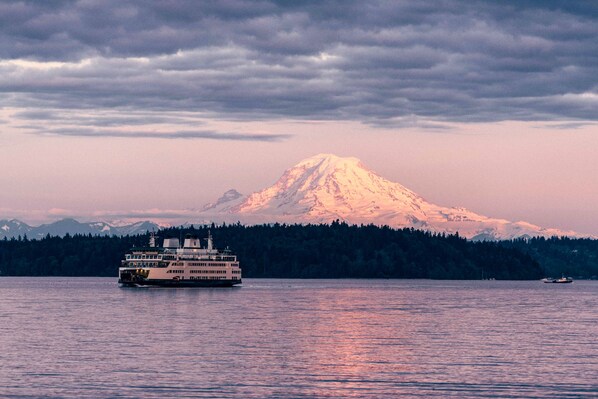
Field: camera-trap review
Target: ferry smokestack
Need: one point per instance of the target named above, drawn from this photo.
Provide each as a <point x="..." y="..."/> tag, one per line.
<point x="171" y="243"/>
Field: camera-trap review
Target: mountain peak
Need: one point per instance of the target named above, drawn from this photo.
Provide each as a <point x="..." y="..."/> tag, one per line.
<point x="232" y="194"/>
<point x="229" y="199"/>
<point x="329" y="158"/>
<point x="325" y="161"/>
<point x="326" y="187"/>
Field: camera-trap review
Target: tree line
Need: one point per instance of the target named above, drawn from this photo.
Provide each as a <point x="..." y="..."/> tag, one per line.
<point x="575" y="257"/>
<point x="335" y="250"/>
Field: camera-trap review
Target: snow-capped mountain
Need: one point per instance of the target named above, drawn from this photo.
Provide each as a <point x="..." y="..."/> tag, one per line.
<point x="228" y="200"/>
<point x="14" y="228"/>
<point x="71" y="226"/>
<point x="326" y="187"/>
<point x="136" y="228"/>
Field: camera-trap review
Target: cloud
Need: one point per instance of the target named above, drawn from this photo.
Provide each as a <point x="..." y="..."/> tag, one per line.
<point x="566" y="126"/>
<point x="152" y="214"/>
<point x="139" y="124"/>
<point x="192" y="134"/>
<point x="112" y="118"/>
<point x="376" y="62"/>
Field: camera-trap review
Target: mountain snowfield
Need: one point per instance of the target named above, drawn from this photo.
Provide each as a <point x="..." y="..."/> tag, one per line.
<point x="325" y="187"/>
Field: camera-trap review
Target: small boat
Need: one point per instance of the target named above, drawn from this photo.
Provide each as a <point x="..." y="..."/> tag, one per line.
<point x="562" y="280"/>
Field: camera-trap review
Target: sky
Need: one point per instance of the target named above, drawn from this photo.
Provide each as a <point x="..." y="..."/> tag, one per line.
<point x="119" y="109"/>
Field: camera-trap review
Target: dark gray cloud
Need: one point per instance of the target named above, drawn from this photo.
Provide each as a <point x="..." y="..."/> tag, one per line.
<point x="184" y="134"/>
<point x="109" y="119"/>
<point x="379" y="62"/>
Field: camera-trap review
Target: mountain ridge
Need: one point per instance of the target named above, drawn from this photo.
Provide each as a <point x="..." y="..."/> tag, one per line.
<point x="13" y="228"/>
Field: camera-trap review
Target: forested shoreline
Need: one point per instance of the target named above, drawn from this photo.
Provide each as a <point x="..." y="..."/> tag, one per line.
<point x="576" y="257"/>
<point x="337" y="250"/>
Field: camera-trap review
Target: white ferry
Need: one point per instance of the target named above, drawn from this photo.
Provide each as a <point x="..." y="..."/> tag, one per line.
<point x="174" y="266"/>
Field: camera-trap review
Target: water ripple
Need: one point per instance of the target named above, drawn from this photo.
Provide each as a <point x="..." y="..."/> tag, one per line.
<point x="86" y="338"/>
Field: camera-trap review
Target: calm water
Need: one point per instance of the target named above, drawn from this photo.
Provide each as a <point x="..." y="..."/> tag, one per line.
<point x="88" y="338"/>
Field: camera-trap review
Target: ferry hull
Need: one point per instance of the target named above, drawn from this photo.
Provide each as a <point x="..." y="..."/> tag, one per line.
<point x="178" y="283"/>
